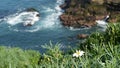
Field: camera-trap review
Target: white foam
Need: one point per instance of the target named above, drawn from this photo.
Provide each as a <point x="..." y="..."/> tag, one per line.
<point x="60" y="2"/>
<point x="52" y="19"/>
<point x="1" y="20"/>
<point x="75" y="29"/>
<point x="35" y="29"/>
<point x="102" y="24"/>
<point x="23" y="17"/>
<point x="47" y="9"/>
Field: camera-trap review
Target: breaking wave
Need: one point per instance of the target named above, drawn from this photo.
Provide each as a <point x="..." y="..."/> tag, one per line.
<point x="22" y="18"/>
<point x="51" y="19"/>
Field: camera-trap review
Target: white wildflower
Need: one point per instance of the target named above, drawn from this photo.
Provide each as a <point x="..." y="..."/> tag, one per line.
<point x="78" y="53"/>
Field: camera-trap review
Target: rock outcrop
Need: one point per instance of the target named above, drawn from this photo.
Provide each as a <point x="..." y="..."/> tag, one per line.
<point x="112" y="1"/>
<point x="80" y="13"/>
<point x="31" y="10"/>
<point x="82" y="36"/>
<point x="31" y="16"/>
<point x="66" y="4"/>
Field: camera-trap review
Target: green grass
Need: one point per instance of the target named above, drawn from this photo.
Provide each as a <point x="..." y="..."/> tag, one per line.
<point x="102" y="50"/>
<point x="18" y="58"/>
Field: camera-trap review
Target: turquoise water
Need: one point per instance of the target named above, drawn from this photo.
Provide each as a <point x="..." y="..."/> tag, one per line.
<point x="48" y="28"/>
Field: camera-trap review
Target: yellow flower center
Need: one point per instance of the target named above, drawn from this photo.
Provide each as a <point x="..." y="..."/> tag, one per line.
<point x="78" y="52"/>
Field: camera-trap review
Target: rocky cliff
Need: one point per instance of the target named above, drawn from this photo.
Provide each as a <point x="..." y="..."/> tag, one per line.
<point x="79" y="13"/>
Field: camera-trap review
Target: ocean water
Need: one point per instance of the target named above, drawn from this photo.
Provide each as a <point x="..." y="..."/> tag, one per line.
<point x="48" y="28"/>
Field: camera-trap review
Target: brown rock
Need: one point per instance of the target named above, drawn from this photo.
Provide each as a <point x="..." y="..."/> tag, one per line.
<point x="84" y="15"/>
<point x="100" y="17"/>
<point x="63" y="6"/>
<point x="113" y="1"/>
<point x="98" y="1"/>
<point x="82" y="36"/>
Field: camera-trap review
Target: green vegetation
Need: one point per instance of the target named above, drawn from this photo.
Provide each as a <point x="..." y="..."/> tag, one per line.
<point x="104" y="47"/>
<point x="17" y="58"/>
<point x="101" y="51"/>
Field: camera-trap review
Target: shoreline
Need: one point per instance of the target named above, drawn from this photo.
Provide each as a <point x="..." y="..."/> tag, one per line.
<point x="78" y="14"/>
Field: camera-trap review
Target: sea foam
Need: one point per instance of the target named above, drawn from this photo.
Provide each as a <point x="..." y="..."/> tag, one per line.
<point x="23" y="17"/>
<point x="51" y="20"/>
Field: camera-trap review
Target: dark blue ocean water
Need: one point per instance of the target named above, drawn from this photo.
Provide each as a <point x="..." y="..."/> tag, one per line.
<point x="47" y="29"/>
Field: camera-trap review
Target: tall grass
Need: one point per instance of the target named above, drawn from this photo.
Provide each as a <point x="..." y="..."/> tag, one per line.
<point x="102" y="50"/>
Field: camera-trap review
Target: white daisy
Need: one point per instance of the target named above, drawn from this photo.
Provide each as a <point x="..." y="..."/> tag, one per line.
<point x="78" y="53"/>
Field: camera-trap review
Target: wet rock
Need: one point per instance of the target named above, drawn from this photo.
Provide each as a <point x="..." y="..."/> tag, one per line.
<point x="82" y="36"/>
<point x="28" y="25"/>
<point x="63" y="6"/>
<point x="80" y="15"/>
<point x="31" y="10"/>
<point x="77" y="22"/>
<point x="31" y="16"/>
<point x="66" y="4"/>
